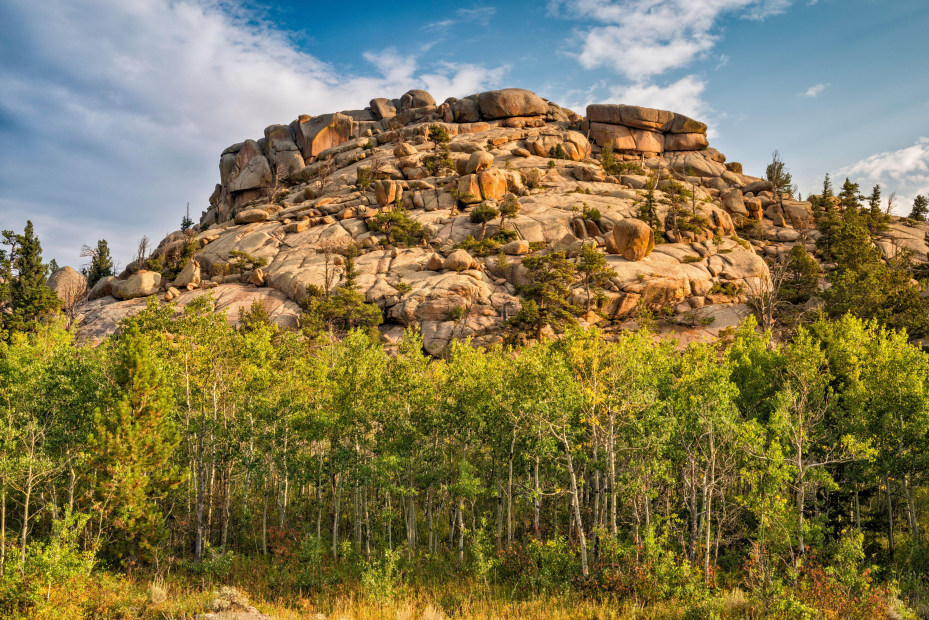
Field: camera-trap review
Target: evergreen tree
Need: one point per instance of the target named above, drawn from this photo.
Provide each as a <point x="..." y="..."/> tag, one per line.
<point x="827" y="187"/>
<point x="850" y="196"/>
<point x="341" y="311"/>
<point x="25" y="294"/>
<point x="920" y="208"/>
<point x="186" y="222"/>
<point x="595" y="273"/>
<point x="781" y="180"/>
<point x="101" y="263"/>
<point x="548" y="294"/>
<point x="133" y="469"/>
<point x="481" y="214"/>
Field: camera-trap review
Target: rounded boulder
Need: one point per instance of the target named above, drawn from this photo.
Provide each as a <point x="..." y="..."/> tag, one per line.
<point x="510" y="102"/>
<point x="631" y="238"/>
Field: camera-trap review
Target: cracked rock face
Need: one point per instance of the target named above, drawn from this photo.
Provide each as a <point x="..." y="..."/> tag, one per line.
<point x="307" y="189"/>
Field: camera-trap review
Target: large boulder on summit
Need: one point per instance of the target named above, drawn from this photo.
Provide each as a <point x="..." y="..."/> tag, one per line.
<point x="383" y="108"/>
<point x="416" y="99"/>
<point x="68" y="284"/>
<point x="632" y="238"/>
<point x="510" y="102"/>
<point x="316" y="134"/>
<point x="140" y="284"/>
<point x="630" y="116"/>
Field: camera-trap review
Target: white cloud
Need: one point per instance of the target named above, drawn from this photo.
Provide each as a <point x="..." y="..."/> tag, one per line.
<point x="684" y="96"/>
<point x="645" y="38"/>
<point x="480" y="15"/>
<point x="120" y="109"/>
<point x="905" y="171"/>
<point x="814" y="91"/>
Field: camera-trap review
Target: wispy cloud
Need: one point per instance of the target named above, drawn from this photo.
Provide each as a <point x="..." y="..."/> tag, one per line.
<point x="645" y="38"/>
<point x="128" y="104"/>
<point x="905" y="171"/>
<point x="814" y="91"/>
<point x="480" y="15"/>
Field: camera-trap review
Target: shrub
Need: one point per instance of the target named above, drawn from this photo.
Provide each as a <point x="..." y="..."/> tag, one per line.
<point x="398" y="226"/>
<point x="243" y="261"/>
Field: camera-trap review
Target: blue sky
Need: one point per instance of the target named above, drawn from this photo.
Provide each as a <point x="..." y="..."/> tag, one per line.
<point x="113" y="112"/>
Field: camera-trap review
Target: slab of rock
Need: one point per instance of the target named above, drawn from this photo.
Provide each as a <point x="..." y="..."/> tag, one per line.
<point x="382" y="108"/>
<point x="510" y="102"/>
<point x="631" y="238"/>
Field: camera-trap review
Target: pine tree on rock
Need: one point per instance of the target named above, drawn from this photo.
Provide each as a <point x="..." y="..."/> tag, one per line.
<point x="548" y="294"/>
<point x="101" y="262"/>
<point x="920" y="208"/>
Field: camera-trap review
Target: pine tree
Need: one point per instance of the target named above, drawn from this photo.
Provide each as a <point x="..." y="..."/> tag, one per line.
<point x="548" y="294"/>
<point x="920" y="208"/>
<point x="781" y="181"/>
<point x="186" y="222"/>
<point x="595" y="273"/>
<point x="132" y="468"/>
<point x="850" y="196"/>
<point x="25" y="293"/>
<point x="101" y="263"/>
<point x="827" y="187"/>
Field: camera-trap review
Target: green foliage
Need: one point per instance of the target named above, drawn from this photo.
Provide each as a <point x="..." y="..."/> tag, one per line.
<point x="25" y="298"/>
<point x="780" y="178"/>
<point x="383" y="579"/>
<point x="557" y="152"/>
<point x="920" y="208"/>
<point x="101" y="263"/>
<point x="646" y="210"/>
<point x="398" y="226"/>
<point x="595" y="274"/>
<point x="547" y="294"/>
<point x="591" y="213"/>
<point x="342" y="311"/>
<point x="132" y="453"/>
<point x="439" y="134"/>
<point x="243" y="261"/>
<point x="481" y="214"/>
<point x="802" y="277"/>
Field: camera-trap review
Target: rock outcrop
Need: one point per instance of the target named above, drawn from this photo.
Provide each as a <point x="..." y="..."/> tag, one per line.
<point x="288" y="203"/>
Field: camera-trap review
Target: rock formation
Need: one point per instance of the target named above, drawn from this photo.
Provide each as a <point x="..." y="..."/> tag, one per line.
<point x="290" y="199"/>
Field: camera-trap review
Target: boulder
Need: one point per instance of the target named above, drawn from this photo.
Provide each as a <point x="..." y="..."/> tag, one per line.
<point x="734" y="203"/>
<point x="252" y="169"/>
<point x="68" y="284"/>
<point x="315" y="135"/>
<point x="632" y="238"/>
<point x="250" y="216"/>
<point x="492" y="183"/>
<point x="755" y="187"/>
<point x="382" y="108"/>
<point x="140" y="284"/>
<point x="416" y="99"/>
<point x="190" y="274"/>
<point x="479" y="160"/>
<point x="619" y="135"/>
<point x="102" y="288"/>
<point x="685" y="142"/>
<point x="387" y="192"/>
<point x="510" y="102"/>
<point x="459" y="260"/>
<point x="630" y="116"/>
<point x="469" y="189"/>
<point x="466" y="111"/>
